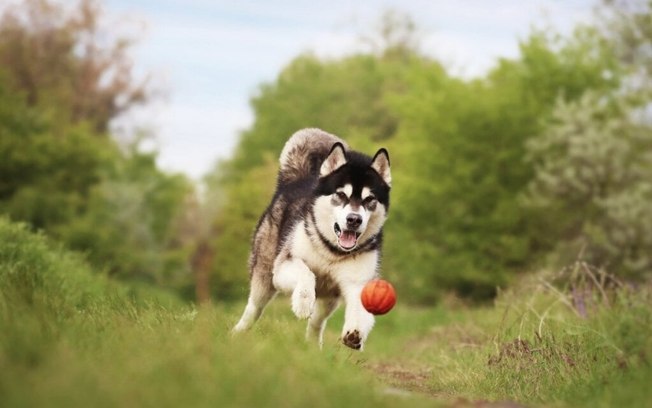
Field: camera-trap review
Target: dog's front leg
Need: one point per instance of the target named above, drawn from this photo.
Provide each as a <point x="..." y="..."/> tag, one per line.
<point x="293" y="276"/>
<point x="357" y="321"/>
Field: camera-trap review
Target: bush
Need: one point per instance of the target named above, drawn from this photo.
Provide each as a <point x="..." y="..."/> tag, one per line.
<point x="593" y="184"/>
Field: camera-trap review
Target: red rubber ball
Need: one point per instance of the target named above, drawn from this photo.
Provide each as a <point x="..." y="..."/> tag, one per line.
<point x="378" y="296"/>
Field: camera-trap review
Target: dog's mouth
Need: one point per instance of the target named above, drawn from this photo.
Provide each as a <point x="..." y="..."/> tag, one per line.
<point x="346" y="239"/>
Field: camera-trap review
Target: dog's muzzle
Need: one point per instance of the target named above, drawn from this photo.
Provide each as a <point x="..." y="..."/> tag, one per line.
<point x="347" y="239"/>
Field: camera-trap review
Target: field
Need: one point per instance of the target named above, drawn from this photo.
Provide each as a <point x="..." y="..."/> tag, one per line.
<point x="72" y="338"/>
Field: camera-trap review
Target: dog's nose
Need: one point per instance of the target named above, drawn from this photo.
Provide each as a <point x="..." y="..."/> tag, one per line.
<point x="353" y="220"/>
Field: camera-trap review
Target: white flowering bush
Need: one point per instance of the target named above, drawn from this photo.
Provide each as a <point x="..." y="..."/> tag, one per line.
<point x="593" y="183"/>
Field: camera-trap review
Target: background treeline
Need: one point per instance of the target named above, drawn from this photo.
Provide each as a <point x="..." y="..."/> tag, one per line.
<point x="538" y="162"/>
<point x="544" y="159"/>
<point x="62" y="80"/>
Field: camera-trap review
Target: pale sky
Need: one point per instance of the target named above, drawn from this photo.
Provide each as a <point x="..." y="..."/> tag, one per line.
<point x="210" y="56"/>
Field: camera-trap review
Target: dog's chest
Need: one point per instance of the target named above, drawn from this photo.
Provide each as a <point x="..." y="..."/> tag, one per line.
<point x="332" y="270"/>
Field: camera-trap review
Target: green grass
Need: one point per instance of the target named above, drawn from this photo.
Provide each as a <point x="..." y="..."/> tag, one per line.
<point x="69" y="337"/>
<point x="72" y="338"/>
<point x="531" y="346"/>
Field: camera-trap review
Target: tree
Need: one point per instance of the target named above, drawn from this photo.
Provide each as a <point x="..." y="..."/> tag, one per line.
<point x="41" y="177"/>
<point x="593" y="183"/>
<point x="461" y="148"/>
<point x="63" y="61"/>
<point x="131" y="224"/>
<point x="63" y="78"/>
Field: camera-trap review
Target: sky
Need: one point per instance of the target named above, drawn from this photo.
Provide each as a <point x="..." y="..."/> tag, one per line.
<point x="208" y="57"/>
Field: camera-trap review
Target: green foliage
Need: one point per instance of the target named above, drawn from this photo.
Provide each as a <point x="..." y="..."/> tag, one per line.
<point x="34" y="275"/>
<point x="129" y="226"/>
<point x="229" y="275"/>
<point x="593" y="178"/>
<point x="116" y="206"/>
<point x="459" y="221"/>
<point x="62" y="79"/>
<point x="41" y="177"/>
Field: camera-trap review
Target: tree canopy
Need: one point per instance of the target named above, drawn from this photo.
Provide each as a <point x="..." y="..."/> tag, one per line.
<point x="543" y="159"/>
<point x="63" y="78"/>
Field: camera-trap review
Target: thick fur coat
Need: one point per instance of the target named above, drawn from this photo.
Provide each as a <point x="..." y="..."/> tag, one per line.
<point x="320" y="238"/>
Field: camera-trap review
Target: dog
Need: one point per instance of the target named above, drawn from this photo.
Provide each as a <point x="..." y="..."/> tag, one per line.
<point x="320" y="238"/>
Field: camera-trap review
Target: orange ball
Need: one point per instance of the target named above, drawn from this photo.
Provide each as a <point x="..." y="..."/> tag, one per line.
<point x="378" y="297"/>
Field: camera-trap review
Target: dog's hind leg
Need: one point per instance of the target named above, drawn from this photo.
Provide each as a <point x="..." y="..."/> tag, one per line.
<point x="262" y="291"/>
<point x="324" y="308"/>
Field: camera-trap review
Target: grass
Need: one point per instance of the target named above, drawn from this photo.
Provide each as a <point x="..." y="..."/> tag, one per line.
<point x="72" y="338"/>
<point x="534" y="347"/>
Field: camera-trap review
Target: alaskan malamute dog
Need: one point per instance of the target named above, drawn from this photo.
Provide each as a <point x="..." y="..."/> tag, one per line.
<point x="319" y="240"/>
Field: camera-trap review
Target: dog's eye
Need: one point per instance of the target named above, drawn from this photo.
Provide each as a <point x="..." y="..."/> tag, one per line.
<point x="369" y="203"/>
<point x="342" y="196"/>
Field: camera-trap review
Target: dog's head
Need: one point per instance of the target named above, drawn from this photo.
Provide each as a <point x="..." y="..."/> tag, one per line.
<point x="352" y="197"/>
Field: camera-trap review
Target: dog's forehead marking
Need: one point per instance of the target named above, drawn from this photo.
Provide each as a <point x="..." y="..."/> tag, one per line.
<point x="366" y="192"/>
<point x="346" y="189"/>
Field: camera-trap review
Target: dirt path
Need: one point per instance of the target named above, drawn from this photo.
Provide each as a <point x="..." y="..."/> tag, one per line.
<point x="409" y="379"/>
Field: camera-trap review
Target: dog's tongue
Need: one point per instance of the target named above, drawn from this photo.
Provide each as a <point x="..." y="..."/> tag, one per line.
<point x="347" y="239"/>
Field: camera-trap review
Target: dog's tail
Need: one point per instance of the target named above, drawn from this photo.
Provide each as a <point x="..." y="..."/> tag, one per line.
<point x="304" y="153"/>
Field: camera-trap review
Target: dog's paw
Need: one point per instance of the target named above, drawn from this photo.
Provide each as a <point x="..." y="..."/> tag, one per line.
<point x="240" y="327"/>
<point x="303" y="303"/>
<point x="352" y="339"/>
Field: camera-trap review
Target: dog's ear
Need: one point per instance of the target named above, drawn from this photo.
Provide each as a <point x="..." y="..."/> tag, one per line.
<point x="335" y="159"/>
<point x="380" y="163"/>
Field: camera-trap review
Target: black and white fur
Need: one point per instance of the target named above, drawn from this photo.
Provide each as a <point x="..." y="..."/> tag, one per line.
<point x="319" y="240"/>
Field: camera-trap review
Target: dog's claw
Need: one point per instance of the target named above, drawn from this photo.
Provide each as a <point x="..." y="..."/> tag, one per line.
<point x="352" y="340"/>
